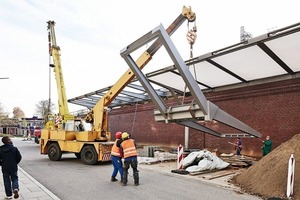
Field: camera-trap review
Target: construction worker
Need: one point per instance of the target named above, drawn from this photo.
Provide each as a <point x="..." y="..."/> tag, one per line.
<point x="116" y="158"/>
<point x="267" y="146"/>
<point x="238" y="146"/>
<point x="128" y="148"/>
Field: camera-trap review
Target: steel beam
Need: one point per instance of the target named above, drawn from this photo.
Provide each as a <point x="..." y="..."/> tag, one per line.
<point x="186" y="115"/>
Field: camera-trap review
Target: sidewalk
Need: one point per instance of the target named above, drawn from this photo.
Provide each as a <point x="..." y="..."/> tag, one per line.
<point x="30" y="189"/>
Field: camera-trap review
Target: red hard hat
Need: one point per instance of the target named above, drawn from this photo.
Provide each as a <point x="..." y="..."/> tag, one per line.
<point x="118" y="135"/>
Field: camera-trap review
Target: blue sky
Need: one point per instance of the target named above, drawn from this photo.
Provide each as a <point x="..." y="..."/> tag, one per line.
<point x="91" y="34"/>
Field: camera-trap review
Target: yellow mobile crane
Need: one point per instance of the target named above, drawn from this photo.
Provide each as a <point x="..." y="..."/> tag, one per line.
<point x="91" y="145"/>
<point x="63" y="133"/>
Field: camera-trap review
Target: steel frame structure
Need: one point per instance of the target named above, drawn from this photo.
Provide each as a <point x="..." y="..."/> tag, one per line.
<point x="202" y="110"/>
<point x="276" y="59"/>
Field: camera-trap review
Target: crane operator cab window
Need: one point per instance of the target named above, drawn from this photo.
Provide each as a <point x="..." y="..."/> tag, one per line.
<point x="74" y="125"/>
<point x="70" y="125"/>
<point x="79" y="125"/>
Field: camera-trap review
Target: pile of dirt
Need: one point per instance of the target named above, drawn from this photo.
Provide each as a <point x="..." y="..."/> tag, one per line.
<point x="268" y="177"/>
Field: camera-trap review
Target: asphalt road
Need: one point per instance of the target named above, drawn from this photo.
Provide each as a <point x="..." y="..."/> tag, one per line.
<point x="69" y="179"/>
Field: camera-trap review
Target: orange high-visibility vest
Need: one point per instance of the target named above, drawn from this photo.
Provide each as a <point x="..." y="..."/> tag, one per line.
<point x="115" y="151"/>
<point x="129" y="148"/>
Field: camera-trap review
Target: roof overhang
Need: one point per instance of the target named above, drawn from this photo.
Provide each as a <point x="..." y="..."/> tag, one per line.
<point x="266" y="58"/>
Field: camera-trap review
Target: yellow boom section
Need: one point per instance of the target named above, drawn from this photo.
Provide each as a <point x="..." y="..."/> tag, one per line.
<point x="54" y="51"/>
<point x="99" y="114"/>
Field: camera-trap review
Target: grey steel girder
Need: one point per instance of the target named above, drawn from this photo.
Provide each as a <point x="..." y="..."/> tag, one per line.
<point x="204" y="110"/>
<point x="94" y="98"/>
<point x="135" y="95"/>
<point x="141" y="88"/>
<point x="125" y="53"/>
<point x="137" y="87"/>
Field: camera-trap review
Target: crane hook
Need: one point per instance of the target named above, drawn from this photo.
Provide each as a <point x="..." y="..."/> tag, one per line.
<point x="191" y="36"/>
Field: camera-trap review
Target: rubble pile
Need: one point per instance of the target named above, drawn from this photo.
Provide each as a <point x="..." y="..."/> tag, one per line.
<point x="158" y="157"/>
<point x="268" y="177"/>
<point x="165" y="156"/>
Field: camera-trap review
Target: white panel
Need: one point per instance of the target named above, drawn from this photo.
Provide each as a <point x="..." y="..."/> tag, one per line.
<point x="212" y="76"/>
<point x="287" y="48"/>
<point x="250" y="63"/>
<point x="172" y="80"/>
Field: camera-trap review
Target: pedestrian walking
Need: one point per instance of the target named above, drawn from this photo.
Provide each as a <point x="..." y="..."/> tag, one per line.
<point x="116" y="158"/>
<point x="10" y="156"/>
<point x="128" y="148"/>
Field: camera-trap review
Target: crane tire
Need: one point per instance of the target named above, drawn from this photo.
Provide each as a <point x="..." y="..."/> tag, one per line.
<point x="89" y="155"/>
<point x="54" y="152"/>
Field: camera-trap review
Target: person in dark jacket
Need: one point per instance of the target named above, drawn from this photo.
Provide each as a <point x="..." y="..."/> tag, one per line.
<point x="238" y="146"/>
<point x="10" y="156"/>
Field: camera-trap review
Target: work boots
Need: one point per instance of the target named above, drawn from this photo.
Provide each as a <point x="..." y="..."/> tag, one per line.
<point x="125" y="176"/>
<point x="136" y="178"/>
<point x="16" y="193"/>
<point x="113" y="179"/>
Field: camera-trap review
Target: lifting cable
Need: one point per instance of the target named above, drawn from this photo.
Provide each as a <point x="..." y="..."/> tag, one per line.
<point x="50" y="56"/>
<point x="134" y="115"/>
<point x="191" y="36"/>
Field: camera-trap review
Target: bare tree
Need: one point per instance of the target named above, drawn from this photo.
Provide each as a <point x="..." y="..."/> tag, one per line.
<point x="18" y="113"/>
<point x="6" y="121"/>
<point x="43" y="108"/>
<point x="1" y="110"/>
<point x="3" y="114"/>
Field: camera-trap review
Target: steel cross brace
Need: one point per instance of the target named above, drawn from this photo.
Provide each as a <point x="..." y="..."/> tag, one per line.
<point x="205" y="110"/>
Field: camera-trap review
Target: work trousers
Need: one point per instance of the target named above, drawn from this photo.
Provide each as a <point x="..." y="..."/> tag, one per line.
<point x="11" y="182"/>
<point x="118" y="167"/>
<point x="238" y="151"/>
<point x="133" y="163"/>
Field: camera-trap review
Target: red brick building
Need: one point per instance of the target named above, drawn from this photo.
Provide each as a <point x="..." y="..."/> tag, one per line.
<point x="256" y="81"/>
<point x="271" y="108"/>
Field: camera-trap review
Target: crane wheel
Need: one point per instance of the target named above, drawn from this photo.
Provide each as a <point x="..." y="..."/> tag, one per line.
<point x="54" y="152"/>
<point x="89" y="155"/>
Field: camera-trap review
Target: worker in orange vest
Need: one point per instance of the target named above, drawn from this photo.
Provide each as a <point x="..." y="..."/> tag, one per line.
<point x="116" y="158"/>
<point x="128" y="148"/>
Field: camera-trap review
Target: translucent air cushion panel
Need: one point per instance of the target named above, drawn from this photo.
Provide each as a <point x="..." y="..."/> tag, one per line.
<point x="250" y="63"/>
<point x="212" y="76"/>
<point x="287" y="48"/>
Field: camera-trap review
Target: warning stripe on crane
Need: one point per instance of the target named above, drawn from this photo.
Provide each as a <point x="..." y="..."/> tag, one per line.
<point x="106" y="157"/>
<point x="58" y="120"/>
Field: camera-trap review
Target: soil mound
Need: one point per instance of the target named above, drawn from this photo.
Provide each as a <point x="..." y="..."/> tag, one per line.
<point x="268" y="177"/>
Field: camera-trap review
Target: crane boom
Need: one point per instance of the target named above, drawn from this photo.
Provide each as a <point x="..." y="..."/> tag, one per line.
<point x="54" y="52"/>
<point x="74" y="136"/>
<point x="99" y="114"/>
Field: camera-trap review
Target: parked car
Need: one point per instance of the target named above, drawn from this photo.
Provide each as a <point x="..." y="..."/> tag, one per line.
<point x="37" y="135"/>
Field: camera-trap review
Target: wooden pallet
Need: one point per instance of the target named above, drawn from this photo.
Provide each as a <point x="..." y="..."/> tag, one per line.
<point x="217" y="174"/>
<point x="238" y="161"/>
<point x="203" y="172"/>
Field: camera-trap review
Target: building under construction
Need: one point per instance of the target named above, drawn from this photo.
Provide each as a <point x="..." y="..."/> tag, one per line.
<point x="247" y="90"/>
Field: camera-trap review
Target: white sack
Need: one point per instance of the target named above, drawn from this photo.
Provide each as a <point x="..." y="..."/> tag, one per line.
<point x="208" y="161"/>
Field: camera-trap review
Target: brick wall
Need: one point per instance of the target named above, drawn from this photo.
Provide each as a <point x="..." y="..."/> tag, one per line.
<point x="272" y="109"/>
